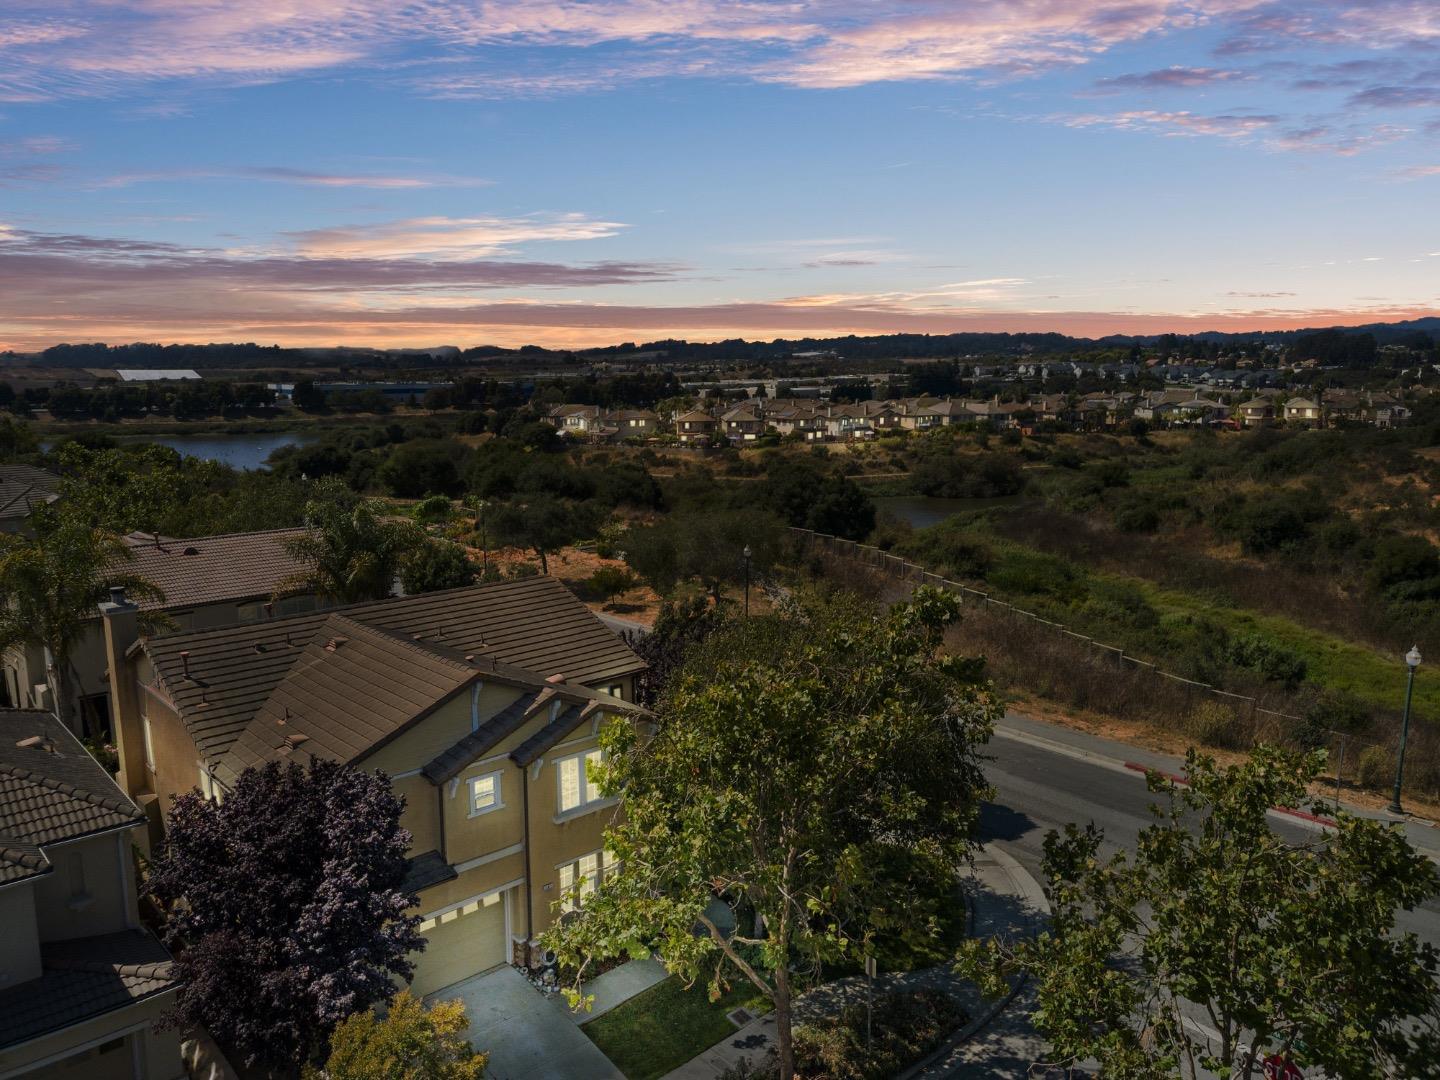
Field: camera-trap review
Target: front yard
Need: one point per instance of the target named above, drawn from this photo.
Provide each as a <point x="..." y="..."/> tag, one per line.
<point x="667" y="1025"/>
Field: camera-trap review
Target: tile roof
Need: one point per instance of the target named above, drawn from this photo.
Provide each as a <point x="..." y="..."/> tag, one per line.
<point x="22" y="487"/>
<point x="82" y="978"/>
<point x="521" y="631"/>
<point x="451" y="762"/>
<point x="212" y="569"/>
<point x="51" y="789"/>
<point x="425" y="870"/>
<point x="567" y="721"/>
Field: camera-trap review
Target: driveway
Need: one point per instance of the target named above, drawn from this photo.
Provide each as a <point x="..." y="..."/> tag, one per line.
<point x="528" y="1036"/>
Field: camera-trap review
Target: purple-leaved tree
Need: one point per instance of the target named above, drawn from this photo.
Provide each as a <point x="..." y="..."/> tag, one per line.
<point x="285" y="906"/>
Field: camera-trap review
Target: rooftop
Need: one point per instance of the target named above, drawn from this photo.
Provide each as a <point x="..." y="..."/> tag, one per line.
<point x="213" y="569"/>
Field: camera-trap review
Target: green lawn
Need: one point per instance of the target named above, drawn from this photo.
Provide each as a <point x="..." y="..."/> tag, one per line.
<point x="667" y="1025"/>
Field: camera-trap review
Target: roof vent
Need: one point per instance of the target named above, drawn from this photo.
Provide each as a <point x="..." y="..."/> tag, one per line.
<point x="334" y="643"/>
<point x="191" y="551"/>
<point x="293" y="742"/>
<point x="37" y="742"/>
<point x="185" y="661"/>
<point x="556" y="678"/>
<point x="117" y="595"/>
<point x="259" y="646"/>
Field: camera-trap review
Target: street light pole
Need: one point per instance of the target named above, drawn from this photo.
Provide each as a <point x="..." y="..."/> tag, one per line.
<point x="480" y="508"/>
<point x="1412" y="661"/>
<point x="747" y="553"/>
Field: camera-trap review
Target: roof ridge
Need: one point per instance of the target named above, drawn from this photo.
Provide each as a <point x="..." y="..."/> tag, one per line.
<point x="105" y="802"/>
<point x="398" y="638"/>
<point x="227" y="536"/>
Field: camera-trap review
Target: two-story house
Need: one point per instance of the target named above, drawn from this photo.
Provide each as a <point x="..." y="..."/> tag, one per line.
<point x="483" y="705"/>
<point x="207" y="581"/>
<point x="576" y="419"/>
<point x="1301" y="410"/>
<point x="742" y="424"/>
<point x="1256" y="412"/>
<point x="695" y="428"/>
<point x="81" y="981"/>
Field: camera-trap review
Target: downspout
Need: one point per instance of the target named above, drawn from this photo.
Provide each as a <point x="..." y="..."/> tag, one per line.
<point x="440" y="818"/>
<point x="529" y="885"/>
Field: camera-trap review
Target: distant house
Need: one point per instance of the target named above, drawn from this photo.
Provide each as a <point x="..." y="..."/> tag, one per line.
<point x="742" y="424"/>
<point x="22" y="488"/>
<point x="576" y="419"/>
<point x="1301" y="410"/>
<point x="208" y="581"/>
<point x="1255" y="413"/>
<point x="695" y="428"/>
<point x="484" y="705"/>
<point x="633" y="423"/>
<point x="82" y="983"/>
<point x="1385" y="411"/>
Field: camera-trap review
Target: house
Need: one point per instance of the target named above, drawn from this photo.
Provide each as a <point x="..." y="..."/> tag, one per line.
<point x="484" y="705"/>
<point x="207" y="581"/>
<point x="22" y="488"/>
<point x="1299" y="410"/>
<point x="576" y="419"/>
<point x="695" y="428"/>
<point x="81" y="981"/>
<point x="742" y="424"/>
<point x="1256" y="412"/>
<point x="634" y="423"/>
<point x="1385" y="411"/>
<point x="949" y="412"/>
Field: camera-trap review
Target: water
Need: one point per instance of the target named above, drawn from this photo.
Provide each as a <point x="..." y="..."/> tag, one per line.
<point x="240" y="451"/>
<point x="922" y="511"/>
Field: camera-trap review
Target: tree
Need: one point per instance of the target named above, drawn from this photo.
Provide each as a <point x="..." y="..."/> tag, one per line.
<point x="285" y="906"/>
<point x="351" y="552"/>
<point x="542" y="523"/>
<point x="798" y="759"/>
<point x="680" y="627"/>
<point x="423" y="467"/>
<point x="705" y="545"/>
<point x="410" y="1043"/>
<point x="51" y="583"/>
<point x="1280" y="947"/>
<point x="307" y="396"/>
<point x="437" y="564"/>
<point x="609" y="582"/>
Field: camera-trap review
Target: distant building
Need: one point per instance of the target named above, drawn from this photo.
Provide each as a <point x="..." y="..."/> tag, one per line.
<point x="156" y="374"/>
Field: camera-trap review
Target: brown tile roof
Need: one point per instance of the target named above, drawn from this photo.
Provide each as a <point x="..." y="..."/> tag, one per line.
<point x="50" y="790"/>
<point x="82" y="978"/>
<point x="567" y="721"/>
<point x="519" y="631"/>
<point x="212" y="569"/>
<point x="22" y="487"/>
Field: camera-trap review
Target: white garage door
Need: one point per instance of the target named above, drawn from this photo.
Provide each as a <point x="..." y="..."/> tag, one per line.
<point x="461" y="943"/>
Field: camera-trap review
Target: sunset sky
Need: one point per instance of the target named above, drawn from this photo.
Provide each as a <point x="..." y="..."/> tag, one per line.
<point x="572" y="172"/>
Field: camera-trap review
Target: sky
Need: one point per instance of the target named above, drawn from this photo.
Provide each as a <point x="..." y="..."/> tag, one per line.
<point x="582" y="172"/>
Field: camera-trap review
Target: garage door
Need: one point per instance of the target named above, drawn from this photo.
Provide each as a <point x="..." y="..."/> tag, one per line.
<point x="461" y="943"/>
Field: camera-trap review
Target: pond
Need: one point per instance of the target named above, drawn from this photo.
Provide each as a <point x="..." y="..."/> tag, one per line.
<point x="239" y="450"/>
<point x="922" y="511"/>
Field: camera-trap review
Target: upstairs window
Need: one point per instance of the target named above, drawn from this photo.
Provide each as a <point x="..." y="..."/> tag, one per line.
<point x="484" y="793"/>
<point x="578" y="788"/>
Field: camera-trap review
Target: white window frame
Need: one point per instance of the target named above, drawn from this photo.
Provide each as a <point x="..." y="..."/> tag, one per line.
<point x="606" y="866"/>
<point x="499" y="797"/>
<point x="149" y="744"/>
<point x="588" y="791"/>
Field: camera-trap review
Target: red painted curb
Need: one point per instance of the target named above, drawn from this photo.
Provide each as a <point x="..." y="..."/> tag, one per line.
<point x="1137" y="767"/>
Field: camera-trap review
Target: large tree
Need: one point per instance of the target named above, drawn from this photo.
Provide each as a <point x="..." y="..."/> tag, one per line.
<point x="352" y="552"/>
<point x="542" y="523"/>
<point x="50" y="584"/>
<point x="1222" y="942"/>
<point x="285" y="906"/>
<point x="709" y="546"/>
<point x="803" y="766"/>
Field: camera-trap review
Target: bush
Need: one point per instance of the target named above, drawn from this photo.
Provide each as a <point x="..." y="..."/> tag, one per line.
<point x="434" y="509"/>
<point x="1211" y="724"/>
<point x="906" y="1026"/>
<point x="1375" y="768"/>
<point x="1274" y="662"/>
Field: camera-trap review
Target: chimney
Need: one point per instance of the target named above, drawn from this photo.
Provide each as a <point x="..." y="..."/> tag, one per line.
<point x="122" y="629"/>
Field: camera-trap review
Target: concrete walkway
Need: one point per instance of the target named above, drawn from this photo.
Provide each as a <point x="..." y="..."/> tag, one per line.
<point x="617" y="986"/>
<point x="1004" y="900"/>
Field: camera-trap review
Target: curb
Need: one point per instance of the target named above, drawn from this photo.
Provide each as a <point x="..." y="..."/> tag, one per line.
<point x="1301" y="814"/>
<point x="1031" y="891"/>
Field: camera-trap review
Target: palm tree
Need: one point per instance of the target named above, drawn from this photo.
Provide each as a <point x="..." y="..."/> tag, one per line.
<point x="351" y="551"/>
<point x="51" y="583"/>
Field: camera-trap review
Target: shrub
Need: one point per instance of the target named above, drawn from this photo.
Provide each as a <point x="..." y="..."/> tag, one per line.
<point x="1275" y="662"/>
<point x="434" y="509"/>
<point x="1212" y="724"/>
<point x="1137" y="516"/>
<point x="1036" y="574"/>
<point x="1375" y="768"/>
<point x="1399" y="559"/>
<point x="906" y="1026"/>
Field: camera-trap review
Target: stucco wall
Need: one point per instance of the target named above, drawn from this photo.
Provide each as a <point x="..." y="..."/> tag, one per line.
<point x="158" y="1052"/>
<point x="19" y="945"/>
<point x="90" y="891"/>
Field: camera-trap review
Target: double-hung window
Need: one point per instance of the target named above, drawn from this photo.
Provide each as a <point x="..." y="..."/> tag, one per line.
<point x="578" y="788"/>
<point x="484" y="793"/>
<point x="588" y="871"/>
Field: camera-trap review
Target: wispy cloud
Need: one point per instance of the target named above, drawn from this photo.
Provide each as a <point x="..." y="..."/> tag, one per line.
<point x="447" y="238"/>
<point x="1181" y="123"/>
<point x="284" y="175"/>
<point x="1172" y="78"/>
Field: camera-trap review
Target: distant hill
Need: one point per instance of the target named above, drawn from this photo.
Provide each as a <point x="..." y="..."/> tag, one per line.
<point x="850" y="347"/>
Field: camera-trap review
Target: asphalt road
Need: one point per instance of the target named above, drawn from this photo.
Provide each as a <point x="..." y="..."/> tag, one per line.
<point x="1041" y="788"/>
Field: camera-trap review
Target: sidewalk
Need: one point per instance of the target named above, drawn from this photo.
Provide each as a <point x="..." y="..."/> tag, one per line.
<point x="1004" y="900"/>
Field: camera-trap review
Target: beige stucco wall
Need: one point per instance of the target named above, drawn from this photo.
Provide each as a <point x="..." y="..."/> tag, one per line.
<point x="441" y="730"/>
<point x="90" y="890"/>
<point x="158" y="1052"/>
<point x="19" y="945"/>
<point x="176" y="760"/>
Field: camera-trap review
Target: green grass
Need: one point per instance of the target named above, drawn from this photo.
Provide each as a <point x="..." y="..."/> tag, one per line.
<point x="667" y="1025"/>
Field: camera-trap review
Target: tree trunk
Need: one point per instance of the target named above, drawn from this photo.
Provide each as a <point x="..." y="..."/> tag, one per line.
<point x="784" y="1033"/>
<point x="544" y="563"/>
<point x="60" y="688"/>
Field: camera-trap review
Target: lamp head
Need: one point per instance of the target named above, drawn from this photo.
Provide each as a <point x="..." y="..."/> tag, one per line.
<point x="746" y="552"/>
<point x="1413" y="657"/>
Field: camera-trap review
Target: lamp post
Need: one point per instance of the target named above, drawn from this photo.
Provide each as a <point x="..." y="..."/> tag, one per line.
<point x="747" y="553"/>
<point x="480" y="507"/>
<point x="1412" y="661"/>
